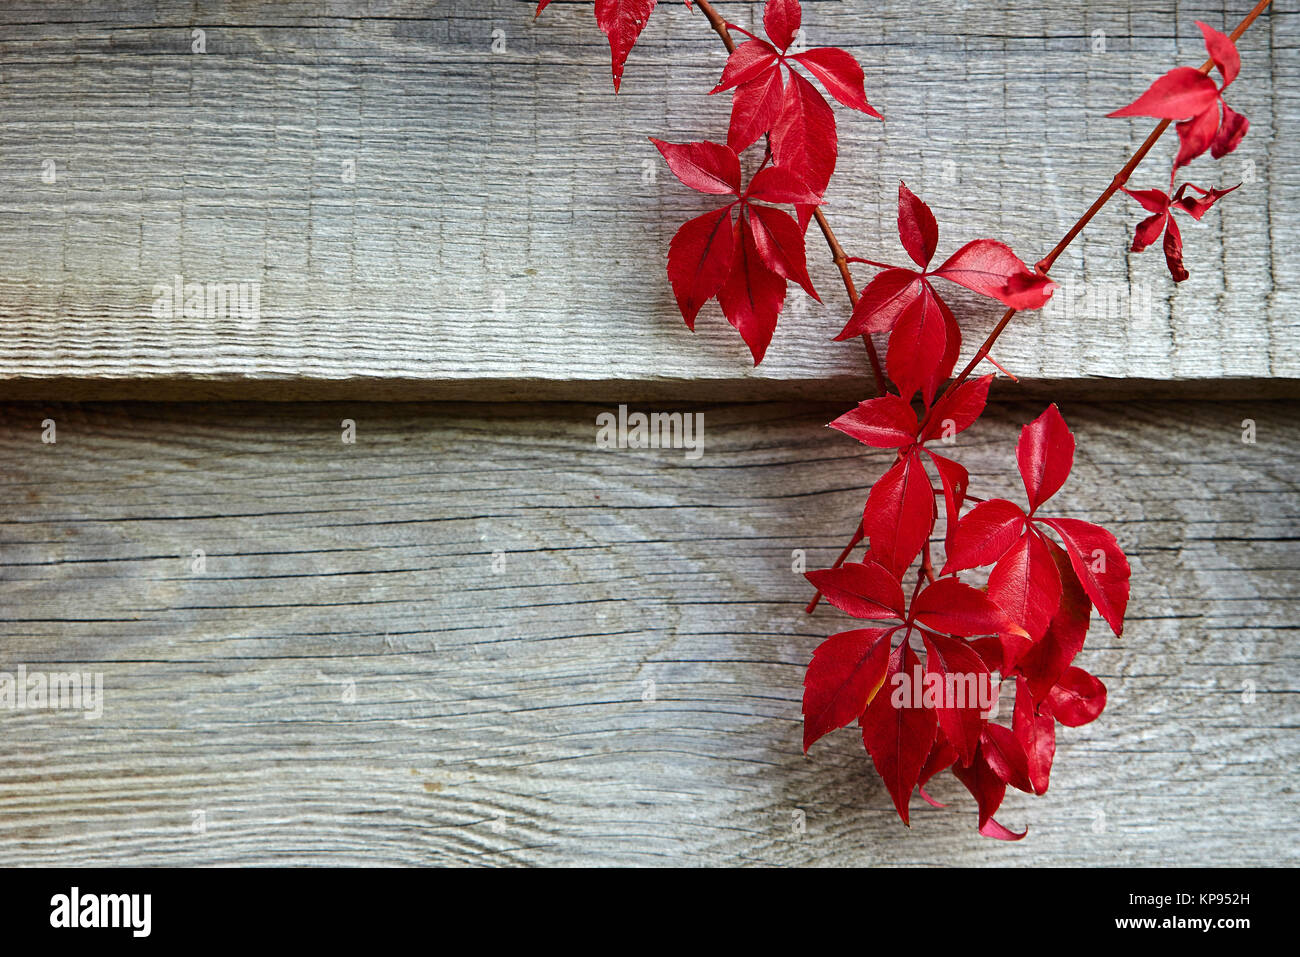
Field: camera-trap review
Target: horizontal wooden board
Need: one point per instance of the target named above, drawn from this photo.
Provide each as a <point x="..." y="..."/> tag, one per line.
<point x="350" y="679"/>
<point x="425" y="217"/>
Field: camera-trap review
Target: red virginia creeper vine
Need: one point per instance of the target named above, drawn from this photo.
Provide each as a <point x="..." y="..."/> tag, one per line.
<point x="921" y="716"/>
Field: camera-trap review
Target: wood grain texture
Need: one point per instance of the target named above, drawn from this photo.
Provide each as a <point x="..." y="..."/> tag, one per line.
<point x="508" y="221"/>
<point x="502" y="717"/>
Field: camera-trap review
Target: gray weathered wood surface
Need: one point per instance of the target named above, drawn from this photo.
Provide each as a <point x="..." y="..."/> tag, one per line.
<point x="502" y="237"/>
<point x="502" y="717"/>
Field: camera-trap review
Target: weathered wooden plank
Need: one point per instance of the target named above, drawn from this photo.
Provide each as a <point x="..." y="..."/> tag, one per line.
<point x="426" y="217"/>
<point x="505" y="717"/>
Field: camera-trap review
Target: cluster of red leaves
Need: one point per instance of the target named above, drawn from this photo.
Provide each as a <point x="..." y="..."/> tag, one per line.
<point x="745" y="261"/>
<point x="1028" y="622"/>
<point x="1205" y="122"/>
<point x="1026" y="625"/>
<point x="742" y="253"/>
<point x="924" y="339"/>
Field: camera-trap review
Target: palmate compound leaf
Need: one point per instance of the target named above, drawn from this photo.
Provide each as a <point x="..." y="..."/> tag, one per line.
<point x="987" y="533"/>
<point x="772" y="97"/>
<point x="925" y="338"/>
<point x="743" y="259"/>
<point x="1161" y="220"/>
<point x="1190" y="96"/>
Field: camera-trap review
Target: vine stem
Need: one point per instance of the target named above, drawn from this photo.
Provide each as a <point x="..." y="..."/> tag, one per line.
<point x="838" y="255"/>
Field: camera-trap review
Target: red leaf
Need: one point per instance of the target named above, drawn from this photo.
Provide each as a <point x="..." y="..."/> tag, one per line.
<point x="1180" y="93"/>
<point x="1195" y="135"/>
<point x="955" y="479"/>
<point x="885" y="299"/>
<point x="941" y="758"/>
<point x="1045" y="455"/>
<point x="779" y="242"/>
<point x="803" y="137"/>
<point x="699" y="260"/>
<point x="900" y="514"/>
<point x="747" y="62"/>
<point x="708" y="167"/>
<point x="887" y="422"/>
<point x="991" y="269"/>
<point x="1152" y="200"/>
<point x="845" y="673"/>
<point x="1100" y="564"/>
<point x="622" y="21"/>
<point x="753" y="295"/>
<point x="958" y="409"/>
<point x="541" y="5"/>
<point x="987" y="788"/>
<point x="963" y="717"/>
<point x="1222" y="51"/>
<point x="755" y="105"/>
<point x="863" y="589"/>
<point x="1231" y="131"/>
<point x="776" y="185"/>
<point x="1044" y="664"/>
<point x="898" y="738"/>
<point x="1026" y="584"/>
<point x="1174" y="251"/>
<point x="1037" y="736"/>
<point x="917" y="347"/>
<point x="995" y="830"/>
<point x="1148" y="231"/>
<point x="1006" y="756"/>
<point x="916" y="227"/>
<point x="955" y="608"/>
<point x="1077" y="698"/>
<point x="841" y="75"/>
<point x="985" y="534"/>
<point x="990" y="649"/>
<point x="1196" y="207"/>
<point x="781" y="21"/>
